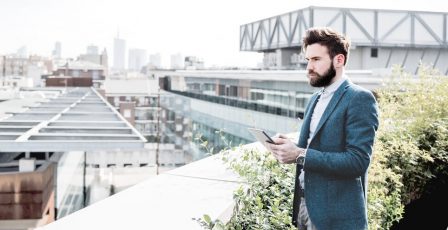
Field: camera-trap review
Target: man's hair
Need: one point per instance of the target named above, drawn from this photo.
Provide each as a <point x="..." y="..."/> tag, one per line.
<point x="335" y="42"/>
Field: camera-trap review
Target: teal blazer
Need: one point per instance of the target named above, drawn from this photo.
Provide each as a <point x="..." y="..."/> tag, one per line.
<point x="338" y="158"/>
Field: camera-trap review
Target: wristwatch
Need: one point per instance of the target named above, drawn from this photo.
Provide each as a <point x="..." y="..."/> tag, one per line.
<point x="301" y="157"/>
<point x="300" y="160"/>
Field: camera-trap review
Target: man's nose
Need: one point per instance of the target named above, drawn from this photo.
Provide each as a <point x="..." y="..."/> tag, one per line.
<point x="309" y="66"/>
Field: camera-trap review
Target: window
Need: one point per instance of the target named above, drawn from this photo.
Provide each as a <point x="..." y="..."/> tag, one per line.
<point x="374" y="52"/>
<point x="127" y="113"/>
<point x="95" y="75"/>
<point x="233" y="91"/>
<point x="75" y="73"/>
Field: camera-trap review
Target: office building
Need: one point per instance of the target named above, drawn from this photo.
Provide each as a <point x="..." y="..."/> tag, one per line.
<point x="22" y="52"/>
<point x="23" y="72"/>
<point x="92" y="50"/>
<point x="73" y="70"/>
<point x="92" y="55"/>
<point x="229" y="101"/>
<point x="177" y="61"/>
<point x="192" y="63"/>
<point x="155" y="61"/>
<point x="57" y="50"/>
<point x="137" y="59"/>
<point x="119" y="53"/>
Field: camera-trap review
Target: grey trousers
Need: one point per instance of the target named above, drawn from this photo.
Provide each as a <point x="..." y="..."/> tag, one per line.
<point x="303" y="220"/>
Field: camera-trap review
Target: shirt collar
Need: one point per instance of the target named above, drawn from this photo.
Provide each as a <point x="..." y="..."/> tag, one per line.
<point x="334" y="86"/>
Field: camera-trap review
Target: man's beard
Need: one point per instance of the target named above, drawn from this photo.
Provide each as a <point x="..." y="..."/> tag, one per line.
<point x="324" y="79"/>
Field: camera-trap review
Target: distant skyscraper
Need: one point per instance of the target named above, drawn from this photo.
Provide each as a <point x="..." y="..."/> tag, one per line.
<point x="93" y="56"/>
<point x="193" y="62"/>
<point x="92" y="50"/>
<point x="155" y="61"/>
<point x="177" y="61"/>
<point x="22" y="52"/>
<point x="104" y="59"/>
<point x="57" y="50"/>
<point x="104" y="62"/>
<point x="137" y="59"/>
<point x="119" y="53"/>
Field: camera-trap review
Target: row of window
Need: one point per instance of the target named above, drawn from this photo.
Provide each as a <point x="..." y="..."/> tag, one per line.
<point x="140" y="101"/>
<point x="247" y="104"/>
<point x="126" y="165"/>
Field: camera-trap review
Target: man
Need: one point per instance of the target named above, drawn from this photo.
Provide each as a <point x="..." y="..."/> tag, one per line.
<point x="335" y="142"/>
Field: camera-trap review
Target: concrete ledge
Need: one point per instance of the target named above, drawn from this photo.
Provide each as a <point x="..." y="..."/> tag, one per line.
<point x="167" y="201"/>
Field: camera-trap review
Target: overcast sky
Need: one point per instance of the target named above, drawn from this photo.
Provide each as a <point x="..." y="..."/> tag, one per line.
<point x="205" y="28"/>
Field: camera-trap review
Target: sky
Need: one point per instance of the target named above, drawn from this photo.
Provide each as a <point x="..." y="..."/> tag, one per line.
<point x="208" y="29"/>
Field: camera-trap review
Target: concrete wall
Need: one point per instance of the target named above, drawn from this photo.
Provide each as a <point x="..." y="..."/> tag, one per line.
<point x="28" y="195"/>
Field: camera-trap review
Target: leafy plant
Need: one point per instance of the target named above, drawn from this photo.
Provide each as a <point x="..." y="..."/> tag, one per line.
<point x="409" y="150"/>
<point x="207" y="223"/>
<point x="265" y="201"/>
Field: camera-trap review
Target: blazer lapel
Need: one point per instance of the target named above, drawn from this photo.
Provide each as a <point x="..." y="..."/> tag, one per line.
<point x="305" y="130"/>
<point x="332" y="105"/>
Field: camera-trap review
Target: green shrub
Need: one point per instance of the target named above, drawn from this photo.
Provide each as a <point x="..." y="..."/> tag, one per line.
<point x="410" y="106"/>
<point x="411" y="146"/>
<point x="265" y="201"/>
<point x="434" y="139"/>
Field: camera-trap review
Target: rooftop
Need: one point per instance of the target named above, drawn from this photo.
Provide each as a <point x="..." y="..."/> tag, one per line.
<point x="82" y="65"/>
<point x="75" y="119"/>
<point x="131" y="86"/>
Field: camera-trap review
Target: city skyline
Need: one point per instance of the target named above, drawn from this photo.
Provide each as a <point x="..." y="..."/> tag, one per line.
<point x="208" y="30"/>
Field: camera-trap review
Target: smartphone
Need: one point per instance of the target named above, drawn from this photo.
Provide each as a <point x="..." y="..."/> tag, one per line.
<point x="261" y="135"/>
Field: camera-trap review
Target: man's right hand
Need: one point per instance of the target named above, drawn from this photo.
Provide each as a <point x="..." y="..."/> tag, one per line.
<point x="285" y="151"/>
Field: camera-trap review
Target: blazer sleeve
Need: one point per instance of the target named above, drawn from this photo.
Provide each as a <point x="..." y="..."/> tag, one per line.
<point x="360" y="125"/>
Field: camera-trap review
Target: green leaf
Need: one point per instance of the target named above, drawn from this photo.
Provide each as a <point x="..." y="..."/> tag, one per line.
<point x="207" y="218"/>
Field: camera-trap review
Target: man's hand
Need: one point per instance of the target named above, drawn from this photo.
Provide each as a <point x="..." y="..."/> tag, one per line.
<point x="285" y="151"/>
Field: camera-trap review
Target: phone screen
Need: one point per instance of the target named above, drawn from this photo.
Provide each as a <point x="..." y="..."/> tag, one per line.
<point x="261" y="135"/>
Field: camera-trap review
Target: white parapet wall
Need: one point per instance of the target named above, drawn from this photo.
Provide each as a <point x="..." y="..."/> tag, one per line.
<point x="168" y="201"/>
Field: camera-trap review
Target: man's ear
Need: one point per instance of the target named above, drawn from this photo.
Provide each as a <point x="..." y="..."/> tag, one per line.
<point x="339" y="60"/>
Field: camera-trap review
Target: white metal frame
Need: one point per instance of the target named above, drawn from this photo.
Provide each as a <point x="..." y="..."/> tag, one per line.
<point x="368" y="27"/>
<point x="79" y="119"/>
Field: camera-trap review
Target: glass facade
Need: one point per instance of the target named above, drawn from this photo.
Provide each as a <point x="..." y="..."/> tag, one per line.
<point x="70" y="183"/>
<point x="279" y="98"/>
<point x="211" y="114"/>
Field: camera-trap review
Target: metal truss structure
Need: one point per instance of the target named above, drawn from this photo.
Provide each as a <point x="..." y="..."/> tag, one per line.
<point x="365" y="27"/>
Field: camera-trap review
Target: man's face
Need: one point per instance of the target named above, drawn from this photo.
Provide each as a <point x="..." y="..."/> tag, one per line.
<point x="320" y="67"/>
